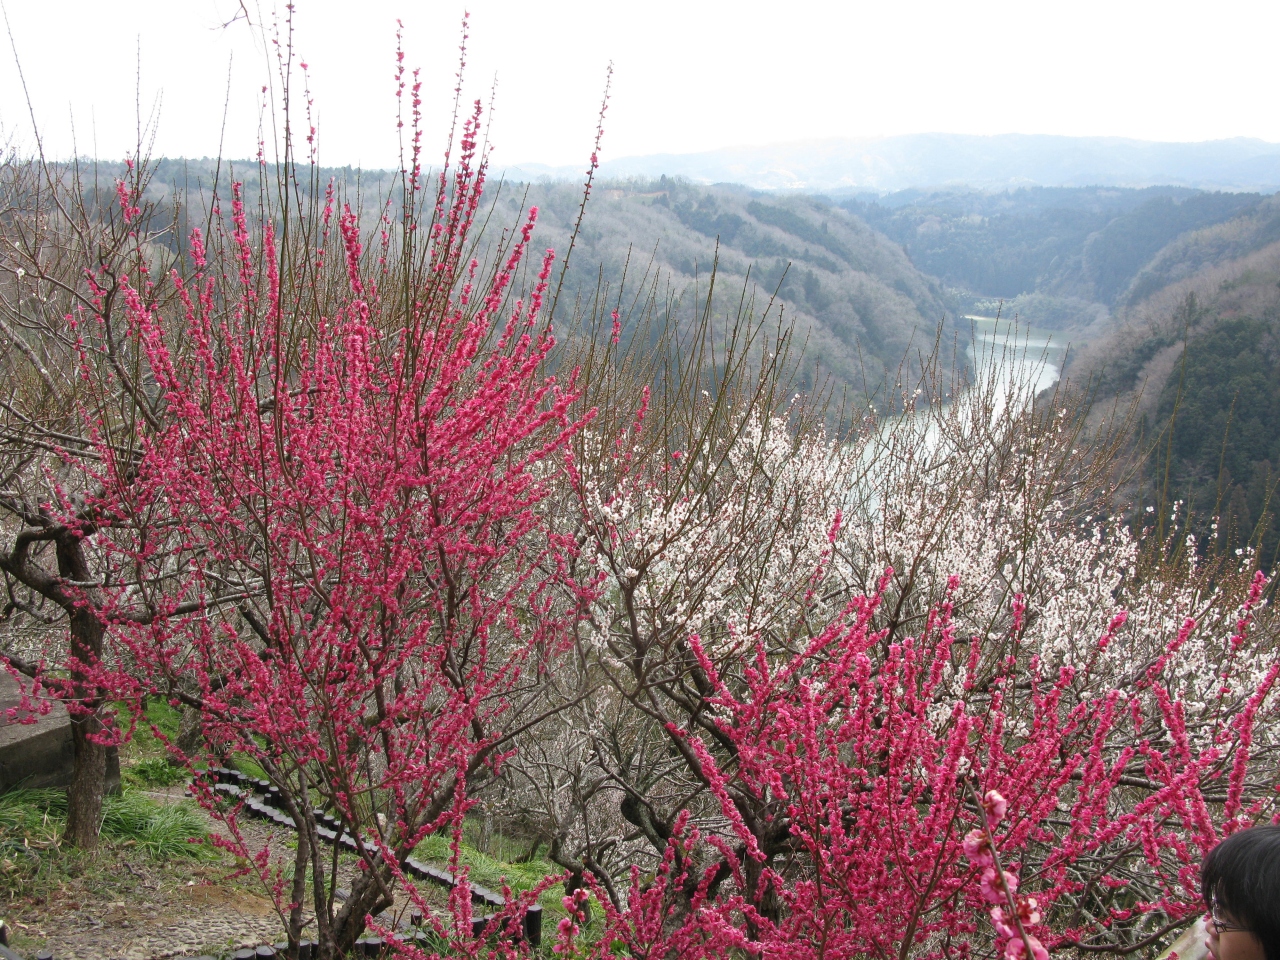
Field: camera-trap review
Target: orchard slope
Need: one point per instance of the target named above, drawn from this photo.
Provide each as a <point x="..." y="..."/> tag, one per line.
<point x="761" y="689"/>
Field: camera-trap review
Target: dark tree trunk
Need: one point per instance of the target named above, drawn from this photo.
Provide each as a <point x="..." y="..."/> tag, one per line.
<point x="89" y="774"/>
<point x="88" y="784"/>
<point x="365" y="898"/>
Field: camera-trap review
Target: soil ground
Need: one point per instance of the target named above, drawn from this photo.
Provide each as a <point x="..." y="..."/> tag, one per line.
<point x="120" y="905"/>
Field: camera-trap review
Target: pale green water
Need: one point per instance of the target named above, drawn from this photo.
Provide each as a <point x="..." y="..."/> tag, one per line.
<point x="1012" y="353"/>
<point x="1010" y="364"/>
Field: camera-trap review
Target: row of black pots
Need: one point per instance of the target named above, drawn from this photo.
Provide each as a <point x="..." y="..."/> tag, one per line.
<point x="234" y="783"/>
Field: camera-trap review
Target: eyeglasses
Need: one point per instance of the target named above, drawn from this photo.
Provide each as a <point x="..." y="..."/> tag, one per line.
<point x="1223" y="926"/>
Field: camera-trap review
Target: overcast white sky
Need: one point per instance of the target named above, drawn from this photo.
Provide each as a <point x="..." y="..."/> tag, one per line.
<point x="690" y="74"/>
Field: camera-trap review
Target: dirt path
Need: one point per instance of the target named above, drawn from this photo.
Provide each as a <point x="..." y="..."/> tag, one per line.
<point x="207" y="919"/>
<point x="137" y="909"/>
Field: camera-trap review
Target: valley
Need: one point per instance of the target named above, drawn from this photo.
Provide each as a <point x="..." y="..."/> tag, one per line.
<point x="1134" y="291"/>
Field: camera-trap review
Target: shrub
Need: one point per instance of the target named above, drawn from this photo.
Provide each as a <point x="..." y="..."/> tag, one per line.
<point x="155" y="772"/>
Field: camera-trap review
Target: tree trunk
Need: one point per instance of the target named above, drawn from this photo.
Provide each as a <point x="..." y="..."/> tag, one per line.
<point x="365" y="899"/>
<point x="190" y="736"/>
<point x="89" y="773"/>
<point x="88" y="784"/>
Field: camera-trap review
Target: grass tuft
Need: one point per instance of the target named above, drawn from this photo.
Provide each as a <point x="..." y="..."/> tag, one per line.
<point x="155" y="772"/>
<point x="161" y="831"/>
<point x="22" y="810"/>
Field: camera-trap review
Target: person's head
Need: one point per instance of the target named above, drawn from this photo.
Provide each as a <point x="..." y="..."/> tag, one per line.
<point x="1240" y="883"/>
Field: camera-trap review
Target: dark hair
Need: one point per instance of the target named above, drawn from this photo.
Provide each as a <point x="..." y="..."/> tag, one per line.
<point x="1242" y="873"/>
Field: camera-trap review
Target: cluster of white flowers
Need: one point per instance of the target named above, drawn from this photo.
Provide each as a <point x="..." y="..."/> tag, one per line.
<point x="763" y="533"/>
<point x="989" y="496"/>
<point x="738" y="546"/>
<point x="1001" y="508"/>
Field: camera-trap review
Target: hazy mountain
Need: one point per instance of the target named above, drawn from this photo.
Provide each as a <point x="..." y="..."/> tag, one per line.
<point x="887" y="164"/>
<point x="1081" y="243"/>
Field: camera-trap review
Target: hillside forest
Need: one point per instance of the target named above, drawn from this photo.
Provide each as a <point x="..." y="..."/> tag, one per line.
<point x="1167" y="297"/>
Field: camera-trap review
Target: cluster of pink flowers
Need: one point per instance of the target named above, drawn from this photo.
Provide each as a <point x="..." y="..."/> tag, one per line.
<point x="575" y="906"/>
<point x="1012" y="916"/>
<point x="837" y="781"/>
<point x="827" y="714"/>
<point x="334" y="532"/>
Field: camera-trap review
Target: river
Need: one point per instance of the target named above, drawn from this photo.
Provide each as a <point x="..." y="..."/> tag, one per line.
<point x="1014" y="359"/>
<point x="1009" y="363"/>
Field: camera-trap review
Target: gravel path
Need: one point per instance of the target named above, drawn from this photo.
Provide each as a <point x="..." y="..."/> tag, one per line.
<point x="202" y="919"/>
<point x="174" y="911"/>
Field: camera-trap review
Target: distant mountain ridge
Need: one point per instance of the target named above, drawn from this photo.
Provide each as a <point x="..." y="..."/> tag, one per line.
<point x="1086" y="243"/>
<point x="886" y="164"/>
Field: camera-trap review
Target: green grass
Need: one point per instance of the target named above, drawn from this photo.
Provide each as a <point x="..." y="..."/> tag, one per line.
<point x="154" y="772"/>
<point x="162" y="831"/>
<point x="144" y="760"/>
<point x="492" y="873"/>
<point x="35" y="819"/>
<point x="32" y="811"/>
<point x="166" y="719"/>
<point x="246" y="765"/>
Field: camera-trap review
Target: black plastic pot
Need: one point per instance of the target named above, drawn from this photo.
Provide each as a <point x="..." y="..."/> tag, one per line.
<point x="533" y="925"/>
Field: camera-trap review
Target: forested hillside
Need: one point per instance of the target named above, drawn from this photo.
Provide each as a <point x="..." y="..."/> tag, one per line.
<point x="1131" y="277"/>
<point x="1224" y="406"/>
<point x="1171" y="299"/>
<point x="1086" y="244"/>
<point x="1111" y="269"/>
<point x="1254" y="229"/>
<point x="855" y="296"/>
<point x="1200" y="355"/>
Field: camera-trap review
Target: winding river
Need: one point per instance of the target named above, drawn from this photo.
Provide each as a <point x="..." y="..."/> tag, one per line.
<point x="1015" y="358"/>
